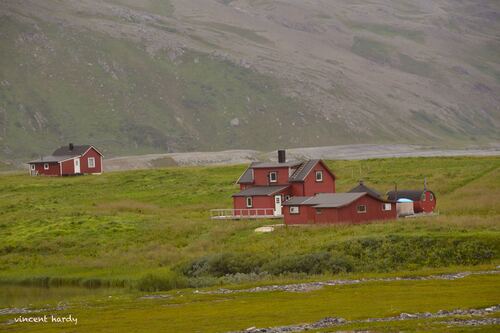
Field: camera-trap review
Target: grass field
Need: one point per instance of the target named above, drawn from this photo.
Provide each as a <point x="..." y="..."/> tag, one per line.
<point x="149" y="230"/>
<point x="120" y="227"/>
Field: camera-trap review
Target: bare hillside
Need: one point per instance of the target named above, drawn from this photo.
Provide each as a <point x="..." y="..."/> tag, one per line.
<point x="151" y="76"/>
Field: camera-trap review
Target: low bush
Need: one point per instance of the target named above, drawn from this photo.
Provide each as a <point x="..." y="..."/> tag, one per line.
<point x="162" y="282"/>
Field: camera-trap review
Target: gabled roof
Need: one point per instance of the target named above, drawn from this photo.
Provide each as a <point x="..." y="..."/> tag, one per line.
<point x="414" y="195"/>
<point x="363" y="188"/>
<point x="261" y="191"/>
<point x="51" y="159"/>
<point x="328" y="200"/>
<point x="247" y="176"/>
<point x="303" y="171"/>
<point x="288" y="164"/>
<point x="76" y="151"/>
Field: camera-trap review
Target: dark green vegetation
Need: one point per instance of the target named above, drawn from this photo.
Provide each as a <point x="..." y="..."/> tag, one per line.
<point x="140" y="76"/>
<point x="150" y="229"/>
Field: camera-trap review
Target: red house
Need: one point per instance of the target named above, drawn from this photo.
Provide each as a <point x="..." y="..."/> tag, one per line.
<point x="338" y="208"/>
<point x="266" y="185"/>
<point x="68" y="160"/>
<point x="424" y="201"/>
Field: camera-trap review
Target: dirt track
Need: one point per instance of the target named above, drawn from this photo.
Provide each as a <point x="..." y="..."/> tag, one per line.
<point x="347" y="152"/>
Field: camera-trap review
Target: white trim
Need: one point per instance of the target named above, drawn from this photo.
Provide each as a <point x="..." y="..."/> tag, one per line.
<point x="294" y="210"/>
<point x="386" y="205"/>
<point x="92" y="147"/>
<point x="60" y="168"/>
<point x="276" y="176"/>
<point x="32" y="166"/>
<point x="46" y="166"/>
<point x="361" y="211"/>
<point x="92" y="158"/>
<point x="316" y="173"/>
<point x="251" y="202"/>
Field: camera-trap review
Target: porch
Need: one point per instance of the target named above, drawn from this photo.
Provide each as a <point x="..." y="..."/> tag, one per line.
<point x="244" y="214"/>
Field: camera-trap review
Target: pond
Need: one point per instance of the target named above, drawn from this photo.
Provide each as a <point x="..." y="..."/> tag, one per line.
<point x="13" y="296"/>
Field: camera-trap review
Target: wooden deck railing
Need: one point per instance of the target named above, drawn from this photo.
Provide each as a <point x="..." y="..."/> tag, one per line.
<point x="248" y="213"/>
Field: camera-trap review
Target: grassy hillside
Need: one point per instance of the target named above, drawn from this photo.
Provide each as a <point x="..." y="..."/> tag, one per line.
<point x="155" y="76"/>
<point x="150" y="229"/>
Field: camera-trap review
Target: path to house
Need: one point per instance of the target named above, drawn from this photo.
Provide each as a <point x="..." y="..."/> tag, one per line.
<point x="346" y="152"/>
<point x="310" y="286"/>
<point x="475" y="317"/>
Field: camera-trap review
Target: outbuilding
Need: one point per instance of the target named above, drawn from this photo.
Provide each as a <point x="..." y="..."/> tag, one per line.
<point x="68" y="160"/>
<point x="424" y="201"/>
<point x="328" y="208"/>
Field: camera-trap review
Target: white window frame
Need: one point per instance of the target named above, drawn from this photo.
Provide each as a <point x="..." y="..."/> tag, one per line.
<point x="423" y="197"/>
<point x="271" y="177"/>
<point x="249" y="202"/>
<point x="385" y="207"/>
<point x="360" y="210"/>
<point x="33" y="167"/>
<point x="294" y="210"/>
<point x="320" y="173"/>
<point x="287" y="197"/>
<point x="431" y="197"/>
<point x="46" y="166"/>
<point x="319" y="211"/>
<point x="91" y="165"/>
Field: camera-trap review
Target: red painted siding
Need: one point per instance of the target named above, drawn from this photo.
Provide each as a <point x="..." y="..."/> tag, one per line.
<point x="68" y="167"/>
<point x="425" y="206"/>
<point x="52" y="171"/>
<point x="346" y="214"/>
<point x="84" y="164"/>
<point x="261" y="176"/>
<point x="261" y="201"/>
<point x="311" y="186"/>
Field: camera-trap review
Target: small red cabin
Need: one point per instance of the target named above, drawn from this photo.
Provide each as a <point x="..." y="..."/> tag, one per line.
<point x="424" y="201"/>
<point x="69" y="160"/>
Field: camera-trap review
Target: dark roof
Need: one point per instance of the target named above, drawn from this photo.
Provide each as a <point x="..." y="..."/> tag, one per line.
<point x="247" y="176"/>
<point x="296" y="201"/>
<point x="49" y="159"/>
<point x="325" y="200"/>
<point x="301" y="173"/>
<point x="260" y="190"/>
<point x="363" y="188"/>
<point x="414" y="195"/>
<point x="333" y="200"/>
<point x="275" y="164"/>
<point x="77" y="150"/>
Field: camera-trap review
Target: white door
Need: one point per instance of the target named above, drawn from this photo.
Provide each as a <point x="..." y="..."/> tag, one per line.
<point x="77" y="165"/>
<point x="277" y="205"/>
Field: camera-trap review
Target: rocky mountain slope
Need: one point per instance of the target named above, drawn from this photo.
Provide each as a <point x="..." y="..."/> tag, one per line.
<point x="146" y="76"/>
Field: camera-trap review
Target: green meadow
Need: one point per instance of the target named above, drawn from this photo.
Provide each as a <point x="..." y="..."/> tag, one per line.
<point x="149" y="231"/>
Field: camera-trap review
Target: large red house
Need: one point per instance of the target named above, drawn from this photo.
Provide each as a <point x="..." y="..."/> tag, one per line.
<point x="266" y="185"/>
<point x="69" y="160"/>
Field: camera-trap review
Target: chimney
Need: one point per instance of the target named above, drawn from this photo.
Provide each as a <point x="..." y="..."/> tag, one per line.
<point x="71" y="147"/>
<point x="281" y="156"/>
<point x="361" y="182"/>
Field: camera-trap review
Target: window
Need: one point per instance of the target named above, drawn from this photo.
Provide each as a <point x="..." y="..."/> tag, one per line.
<point x="46" y="166"/>
<point x="318" y="211"/>
<point x="91" y="162"/>
<point x="361" y="208"/>
<point x="431" y="197"/>
<point x="386" y="207"/>
<point x="287" y="197"/>
<point x="273" y="177"/>
<point x="32" y="167"/>
<point x="319" y="176"/>
<point x="249" y="202"/>
<point x="294" y="210"/>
